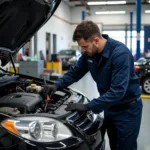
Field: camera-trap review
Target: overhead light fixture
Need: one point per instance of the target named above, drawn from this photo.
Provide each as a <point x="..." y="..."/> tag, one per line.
<point x="109" y="12"/>
<point x="149" y="1"/>
<point x="107" y="3"/>
<point x="147" y="11"/>
<point x="115" y="2"/>
<point x="96" y="3"/>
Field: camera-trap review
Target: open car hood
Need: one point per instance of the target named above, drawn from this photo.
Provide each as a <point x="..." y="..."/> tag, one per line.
<point x="19" y="21"/>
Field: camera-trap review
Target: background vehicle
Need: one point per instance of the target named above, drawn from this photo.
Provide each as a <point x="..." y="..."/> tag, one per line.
<point x="69" y="57"/>
<point x="142" y="68"/>
<point x="28" y="120"/>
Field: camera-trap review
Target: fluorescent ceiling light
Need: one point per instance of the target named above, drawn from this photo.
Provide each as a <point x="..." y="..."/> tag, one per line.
<point x="107" y="3"/>
<point x="149" y="1"/>
<point x="115" y="2"/>
<point x="96" y="3"/>
<point x="109" y="12"/>
<point x="147" y="11"/>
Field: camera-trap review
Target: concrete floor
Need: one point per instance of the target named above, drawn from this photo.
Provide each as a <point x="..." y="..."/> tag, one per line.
<point x="88" y="88"/>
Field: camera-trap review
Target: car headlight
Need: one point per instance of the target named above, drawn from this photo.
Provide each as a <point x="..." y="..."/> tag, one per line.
<point x="38" y="129"/>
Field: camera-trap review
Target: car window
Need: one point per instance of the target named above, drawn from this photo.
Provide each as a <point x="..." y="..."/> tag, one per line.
<point x="67" y="52"/>
<point x="143" y="60"/>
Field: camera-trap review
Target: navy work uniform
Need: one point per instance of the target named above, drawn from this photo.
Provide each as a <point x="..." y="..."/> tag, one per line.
<point x="119" y="88"/>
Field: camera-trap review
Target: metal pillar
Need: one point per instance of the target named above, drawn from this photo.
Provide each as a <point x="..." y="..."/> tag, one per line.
<point x="131" y="24"/>
<point x="126" y="34"/>
<point x="138" y="27"/>
<point x="146" y="39"/>
<point x="83" y="15"/>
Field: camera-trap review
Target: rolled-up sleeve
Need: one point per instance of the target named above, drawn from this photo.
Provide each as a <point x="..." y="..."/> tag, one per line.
<point x="75" y="73"/>
<point x="120" y="77"/>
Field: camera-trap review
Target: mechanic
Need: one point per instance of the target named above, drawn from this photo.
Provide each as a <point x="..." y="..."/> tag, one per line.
<point x="112" y="67"/>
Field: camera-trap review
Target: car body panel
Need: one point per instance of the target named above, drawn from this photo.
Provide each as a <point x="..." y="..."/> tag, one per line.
<point x="142" y="69"/>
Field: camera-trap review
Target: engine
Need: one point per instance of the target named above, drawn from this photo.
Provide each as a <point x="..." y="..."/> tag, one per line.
<point x="23" y="96"/>
<point x="21" y="102"/>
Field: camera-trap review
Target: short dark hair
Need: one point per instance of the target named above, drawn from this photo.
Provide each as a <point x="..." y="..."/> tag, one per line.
<point x="86" y="30"/>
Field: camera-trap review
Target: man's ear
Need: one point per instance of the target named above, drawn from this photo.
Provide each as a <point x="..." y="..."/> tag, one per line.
<point x="96" y="40"/>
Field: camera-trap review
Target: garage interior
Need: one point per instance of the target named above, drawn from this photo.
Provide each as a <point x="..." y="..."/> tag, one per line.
<point x="51" y="52"/>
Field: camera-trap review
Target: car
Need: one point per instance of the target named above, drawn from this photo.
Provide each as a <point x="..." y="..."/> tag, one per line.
<point x="142" y="68"/>
<point x="28" y="118"/>
<point x="68" y="57"/>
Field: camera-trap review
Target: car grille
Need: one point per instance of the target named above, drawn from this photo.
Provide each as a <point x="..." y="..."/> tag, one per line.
<point x="85" y="124"/>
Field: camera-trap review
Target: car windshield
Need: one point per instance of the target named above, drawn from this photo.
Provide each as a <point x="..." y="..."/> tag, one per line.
<point x="67" y="52"/>
<point x="143" y="60"/>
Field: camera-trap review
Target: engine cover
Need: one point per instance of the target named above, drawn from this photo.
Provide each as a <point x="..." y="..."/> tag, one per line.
<point x="26" y="101"/>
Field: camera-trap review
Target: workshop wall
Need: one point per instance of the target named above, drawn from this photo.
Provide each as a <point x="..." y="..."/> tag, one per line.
<point x="59" y="24"/>
<point x="65" y="19"/>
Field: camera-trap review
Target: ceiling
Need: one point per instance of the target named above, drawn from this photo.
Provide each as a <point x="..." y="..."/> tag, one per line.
<point x="76" y="3"/>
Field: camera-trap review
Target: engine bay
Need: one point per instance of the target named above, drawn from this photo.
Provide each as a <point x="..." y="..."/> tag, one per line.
<point x="22" y="95"/>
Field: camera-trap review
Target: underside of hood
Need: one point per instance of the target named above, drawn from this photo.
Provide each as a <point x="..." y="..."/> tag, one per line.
<point x="19" y="21"/>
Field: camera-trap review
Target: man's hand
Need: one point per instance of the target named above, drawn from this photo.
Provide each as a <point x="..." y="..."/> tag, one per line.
<point x="49" y="90"/>
<point x="77" y="107"/>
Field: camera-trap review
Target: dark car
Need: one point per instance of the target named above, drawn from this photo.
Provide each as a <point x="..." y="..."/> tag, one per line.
<point x="68" y="57"/>
<point x="29" y="119"/>
<point x="142" y="68"/>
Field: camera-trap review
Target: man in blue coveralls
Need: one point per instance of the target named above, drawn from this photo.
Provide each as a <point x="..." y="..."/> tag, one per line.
<point x="112" y="67"/>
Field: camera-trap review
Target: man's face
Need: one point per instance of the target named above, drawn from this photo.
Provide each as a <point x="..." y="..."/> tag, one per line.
<point x="89" y="47"/>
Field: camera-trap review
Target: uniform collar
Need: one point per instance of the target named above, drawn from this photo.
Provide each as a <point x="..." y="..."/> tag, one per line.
<point x="107" y="49"/>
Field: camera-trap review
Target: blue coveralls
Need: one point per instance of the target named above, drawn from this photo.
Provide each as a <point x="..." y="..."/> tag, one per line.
<point x="117" y="83"/>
